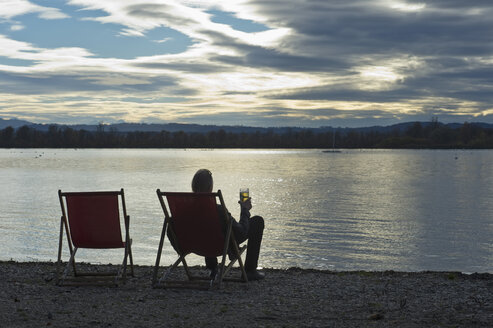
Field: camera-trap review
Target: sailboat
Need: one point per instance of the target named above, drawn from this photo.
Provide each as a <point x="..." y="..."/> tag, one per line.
<point x="333" y="150"/>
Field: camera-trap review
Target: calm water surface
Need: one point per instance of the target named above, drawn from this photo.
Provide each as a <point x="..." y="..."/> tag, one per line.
<point x="406" y="210"/>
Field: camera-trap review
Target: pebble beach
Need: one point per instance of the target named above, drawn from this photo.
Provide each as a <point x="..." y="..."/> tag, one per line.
<point x="29" y="297"/>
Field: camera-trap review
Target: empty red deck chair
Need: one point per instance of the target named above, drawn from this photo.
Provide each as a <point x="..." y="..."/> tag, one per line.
<point x="92" y="220"/>
<point x="195" y="227"/>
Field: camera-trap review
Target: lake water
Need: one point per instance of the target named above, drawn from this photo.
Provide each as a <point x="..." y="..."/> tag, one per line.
<point x="406" y="210"/>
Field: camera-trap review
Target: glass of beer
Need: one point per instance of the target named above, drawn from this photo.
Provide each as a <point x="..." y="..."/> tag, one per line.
<point x="244" y="194"/>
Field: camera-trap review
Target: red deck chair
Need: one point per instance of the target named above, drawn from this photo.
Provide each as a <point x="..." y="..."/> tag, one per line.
<point x="92" y="220"/>
<point x="194" y="223"/>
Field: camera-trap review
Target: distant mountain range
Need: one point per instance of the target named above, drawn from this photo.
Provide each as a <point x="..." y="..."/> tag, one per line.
<point x="191" y="128"/>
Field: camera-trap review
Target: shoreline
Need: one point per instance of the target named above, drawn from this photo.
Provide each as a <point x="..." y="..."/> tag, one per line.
<point x="291" y="297"/>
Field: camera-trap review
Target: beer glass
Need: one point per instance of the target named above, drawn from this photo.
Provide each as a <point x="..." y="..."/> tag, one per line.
<point x="244" y="194"/>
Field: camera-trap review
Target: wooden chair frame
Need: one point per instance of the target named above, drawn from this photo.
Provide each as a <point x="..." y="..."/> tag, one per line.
<point x="197" y="281"/>
<point x="92" y="278"/>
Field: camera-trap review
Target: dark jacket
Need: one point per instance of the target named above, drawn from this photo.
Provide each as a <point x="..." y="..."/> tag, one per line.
<point x="240" y="229"/>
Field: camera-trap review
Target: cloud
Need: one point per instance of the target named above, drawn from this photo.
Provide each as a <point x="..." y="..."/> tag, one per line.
<point x="13" y="8"/>
<point x="196" y="67"/>
<point x="89" y="82"/>
<point x="17" y="27"/>
<point x="315" y="63"/>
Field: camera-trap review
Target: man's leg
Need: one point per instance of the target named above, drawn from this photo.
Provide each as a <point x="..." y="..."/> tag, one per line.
<point x="211" y="264"/>
<point x="255" y="233"/>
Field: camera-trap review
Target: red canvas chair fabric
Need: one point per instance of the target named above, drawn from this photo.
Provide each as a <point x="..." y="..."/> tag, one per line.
<point x="194" y="224"/>
<point x="92" y="220"/>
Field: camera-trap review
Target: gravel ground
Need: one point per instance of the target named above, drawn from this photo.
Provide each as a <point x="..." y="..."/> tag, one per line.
<point x="29" y="297"/>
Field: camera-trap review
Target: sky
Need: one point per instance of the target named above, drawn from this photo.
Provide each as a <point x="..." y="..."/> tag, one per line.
<point x="347" y="63"/>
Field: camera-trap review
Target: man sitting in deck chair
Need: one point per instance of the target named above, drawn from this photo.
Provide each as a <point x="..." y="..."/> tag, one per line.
<point x="251" y="228"/>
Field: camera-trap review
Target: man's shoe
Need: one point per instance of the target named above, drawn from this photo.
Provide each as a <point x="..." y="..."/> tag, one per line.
<point x="232" y="256"/>
<point x="213" y="273"/>
<point x="255" y="275"/>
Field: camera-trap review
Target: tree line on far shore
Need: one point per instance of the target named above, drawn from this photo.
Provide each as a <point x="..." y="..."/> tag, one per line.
<point x="431" y="135"/>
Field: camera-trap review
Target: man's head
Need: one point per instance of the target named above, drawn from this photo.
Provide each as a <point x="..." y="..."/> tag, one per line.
<point x="202" y="181"/>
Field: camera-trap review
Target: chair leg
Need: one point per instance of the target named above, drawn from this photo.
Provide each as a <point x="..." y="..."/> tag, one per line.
<point x="158" y="256"/>
<point x="131" y="259"/>
<point x="231" y="263"/>
<point x="187" y="270"/>
<point x="122" y="271"/>
<point x="128" y="254"/>
<point x="243" y="272"/>
<point x="71" y="261"/>
<point x="59" y="261"/>
<point x="168" y="271"/>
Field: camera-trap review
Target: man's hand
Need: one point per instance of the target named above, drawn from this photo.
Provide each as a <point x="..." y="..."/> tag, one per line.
<point x="247" y="205"/>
